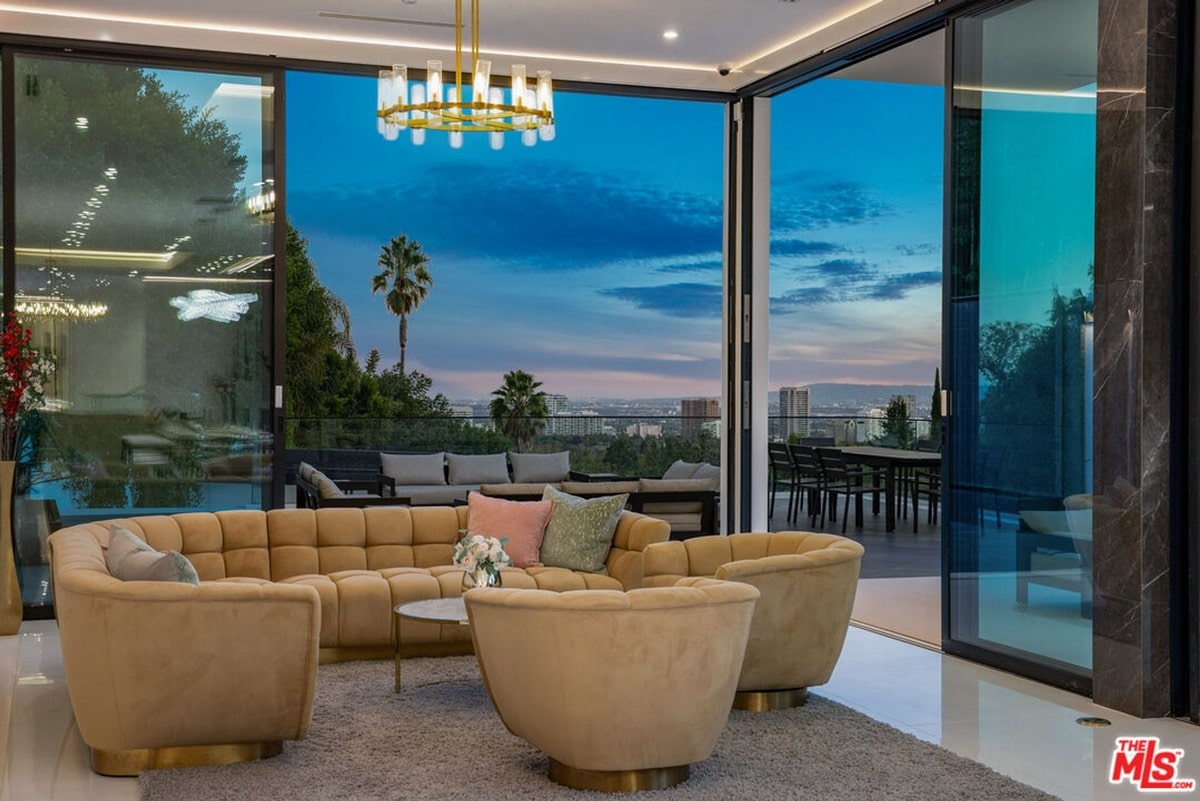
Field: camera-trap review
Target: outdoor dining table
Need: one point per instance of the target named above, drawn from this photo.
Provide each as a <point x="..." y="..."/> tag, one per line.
<point x="891" y="460"/>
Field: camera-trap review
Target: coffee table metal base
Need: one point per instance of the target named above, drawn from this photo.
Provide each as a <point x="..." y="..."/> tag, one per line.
<point x="450" y="611"/>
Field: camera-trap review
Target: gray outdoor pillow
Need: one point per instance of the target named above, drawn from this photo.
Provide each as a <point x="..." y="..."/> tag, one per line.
<point x="710" y="472"/>
<point x="131" y="559"/>
<point x="488" y="468"/>
<point x="415" y="468"/>
<point x="529" y="467"/>
<point x="580" y="532"/>
<point x="681" y="469"/>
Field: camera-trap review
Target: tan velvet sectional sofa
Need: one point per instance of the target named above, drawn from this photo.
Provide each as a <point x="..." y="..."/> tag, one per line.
<point x="164" y="673"/>
<point x="361" y="563"/>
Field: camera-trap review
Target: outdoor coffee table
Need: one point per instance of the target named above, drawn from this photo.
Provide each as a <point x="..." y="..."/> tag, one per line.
<point x="437" y="610"/>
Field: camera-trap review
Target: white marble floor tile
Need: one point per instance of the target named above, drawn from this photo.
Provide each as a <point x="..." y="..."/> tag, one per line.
<point x="1018" y="727"/>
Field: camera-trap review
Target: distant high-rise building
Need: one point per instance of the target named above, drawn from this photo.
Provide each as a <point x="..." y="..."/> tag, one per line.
<point x="694" y="412"/>
<point x="556" y="405"/>
<point x="644" y="430"/>
<point x="793" y="412"/>
<point x="579" y="424"/>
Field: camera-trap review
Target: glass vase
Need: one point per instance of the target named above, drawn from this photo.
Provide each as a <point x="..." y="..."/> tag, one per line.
<point x="481" y="577"/>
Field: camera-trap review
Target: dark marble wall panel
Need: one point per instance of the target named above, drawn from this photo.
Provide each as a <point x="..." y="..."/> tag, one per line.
<point x="1133" y="272"/>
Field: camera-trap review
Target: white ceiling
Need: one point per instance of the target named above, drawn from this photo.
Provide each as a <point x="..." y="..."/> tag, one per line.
<point x="618" y="41"/>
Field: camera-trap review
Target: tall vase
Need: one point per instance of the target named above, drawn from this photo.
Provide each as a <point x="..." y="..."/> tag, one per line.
<point x="10" y="590"/>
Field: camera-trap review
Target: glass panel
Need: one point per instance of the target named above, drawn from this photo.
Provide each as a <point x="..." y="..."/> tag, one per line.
<point x="144" y="267"/>
<point x="592" y="263"/>
<point x="1023" y="151"/>
<point x="856" y="301"/>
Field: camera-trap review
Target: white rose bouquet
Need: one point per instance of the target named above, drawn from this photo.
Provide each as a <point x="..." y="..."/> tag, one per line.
<point x="481" y="558"/>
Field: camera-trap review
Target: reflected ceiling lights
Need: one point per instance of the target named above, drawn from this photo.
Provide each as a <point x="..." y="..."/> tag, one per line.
<point x="40" y="306"/>
<point x="210" y="304"/>
<point x="79" y="257"/>
<point x="432" y="106"/>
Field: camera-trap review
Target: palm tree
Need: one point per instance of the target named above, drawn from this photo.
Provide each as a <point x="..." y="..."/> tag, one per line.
<point x="519" y="408"/>
<point x="402" y="275"/>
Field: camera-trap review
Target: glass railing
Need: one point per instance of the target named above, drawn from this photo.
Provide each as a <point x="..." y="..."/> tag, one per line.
<point x="627" y="445"/>
<point x="643" y="445"/>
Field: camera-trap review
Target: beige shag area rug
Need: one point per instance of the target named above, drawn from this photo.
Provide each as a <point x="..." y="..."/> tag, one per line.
<point x="439" y="739"/>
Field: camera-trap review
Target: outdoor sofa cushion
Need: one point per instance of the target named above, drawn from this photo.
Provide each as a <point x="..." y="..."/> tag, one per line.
<point x="549" y="467"/>
<point x="414" y="468"/>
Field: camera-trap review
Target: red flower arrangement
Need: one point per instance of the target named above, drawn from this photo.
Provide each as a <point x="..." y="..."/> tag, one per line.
<point x="22" y="382"/>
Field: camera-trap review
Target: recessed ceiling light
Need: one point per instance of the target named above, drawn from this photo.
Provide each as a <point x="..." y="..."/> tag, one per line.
<point x="670" y="33"/>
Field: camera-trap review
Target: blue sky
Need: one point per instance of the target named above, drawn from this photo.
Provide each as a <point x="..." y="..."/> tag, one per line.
<point x="593" y="261"/>
<point x="856" y="222"/>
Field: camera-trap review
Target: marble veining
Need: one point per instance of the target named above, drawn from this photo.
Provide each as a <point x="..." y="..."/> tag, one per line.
<point x="1132" y="429"/>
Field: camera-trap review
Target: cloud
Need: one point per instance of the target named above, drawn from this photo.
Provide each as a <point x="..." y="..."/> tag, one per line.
<point x="673" y="300"/>
<point x="847" y="281"/>
<point x="923" y="249"/>
<point x="894" y="287"/>
<point x="690" y="266"/>
<point x="557" y="217"/>
<point x="806" y="201"/>
<point x="804" y="247"/>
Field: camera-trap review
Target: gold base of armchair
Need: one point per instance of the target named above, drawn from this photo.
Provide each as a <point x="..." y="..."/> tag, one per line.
<point x="134" y="761"/>
<point x="617" y="781"/>
<point x="767" y="700"/>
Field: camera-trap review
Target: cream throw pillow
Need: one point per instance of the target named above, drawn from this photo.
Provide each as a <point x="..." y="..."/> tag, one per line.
<point x="131" y="559"/>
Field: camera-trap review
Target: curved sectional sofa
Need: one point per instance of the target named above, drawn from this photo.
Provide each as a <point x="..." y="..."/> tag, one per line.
<point x="279" y="590"/>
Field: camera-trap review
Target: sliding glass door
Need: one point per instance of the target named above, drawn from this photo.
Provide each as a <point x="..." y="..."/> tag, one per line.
<point x="1019" y="338"/>
<point x="144" y="268"/>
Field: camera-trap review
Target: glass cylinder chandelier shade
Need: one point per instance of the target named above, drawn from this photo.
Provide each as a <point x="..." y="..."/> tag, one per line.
<point x="459" y="109"/>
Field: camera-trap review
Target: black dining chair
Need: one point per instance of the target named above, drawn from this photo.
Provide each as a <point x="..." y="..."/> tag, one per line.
<point x="780" y="472"/>
<point x="927" y="483"/>
<point x="810" y="481"/>
<point x="840" y="477"/>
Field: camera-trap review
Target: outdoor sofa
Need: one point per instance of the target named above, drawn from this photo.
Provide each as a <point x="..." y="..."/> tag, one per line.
<point x="686" y="497"/>
<point x="430" y="479"/>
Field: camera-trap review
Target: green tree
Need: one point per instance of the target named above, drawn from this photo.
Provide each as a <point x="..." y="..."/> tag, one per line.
<point x="320" y="350"/>
<point x="409" y="394"/>
<point x="1002" y="345"/>
<point x="518" y="408"/>
<point x="897" y="430"/>
<point x="404" y="280"/>
<point x="1033" y="423"/>
<point x="372" y="365"/>
<point x="168" y="168"/>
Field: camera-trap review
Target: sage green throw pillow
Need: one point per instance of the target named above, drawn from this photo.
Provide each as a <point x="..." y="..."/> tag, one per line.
<point x="131" y="559"/>
<point x="580" y="532"/>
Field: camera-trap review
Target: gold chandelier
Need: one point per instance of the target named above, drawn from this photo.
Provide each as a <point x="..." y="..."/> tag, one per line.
<point x="432" y="106"/>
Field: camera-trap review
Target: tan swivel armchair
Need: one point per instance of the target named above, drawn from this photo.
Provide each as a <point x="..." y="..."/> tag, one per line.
<point x="623" y="691"/>
<point x="807" y="581"/>
<point x="164" y="675"/>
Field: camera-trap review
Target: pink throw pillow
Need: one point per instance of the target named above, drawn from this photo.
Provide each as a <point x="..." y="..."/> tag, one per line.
<point x="523" y="522"/>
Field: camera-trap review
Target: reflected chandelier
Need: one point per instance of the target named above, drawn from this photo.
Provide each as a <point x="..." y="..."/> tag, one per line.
<point x="433" y="106"/>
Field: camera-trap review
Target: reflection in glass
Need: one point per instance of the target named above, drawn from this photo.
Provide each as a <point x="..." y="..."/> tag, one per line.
<point x="144" y="214"/>
<point x="1023" y="151"/>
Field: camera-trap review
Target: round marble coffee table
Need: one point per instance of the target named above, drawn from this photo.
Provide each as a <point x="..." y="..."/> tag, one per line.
<point x="437" y="610"/>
